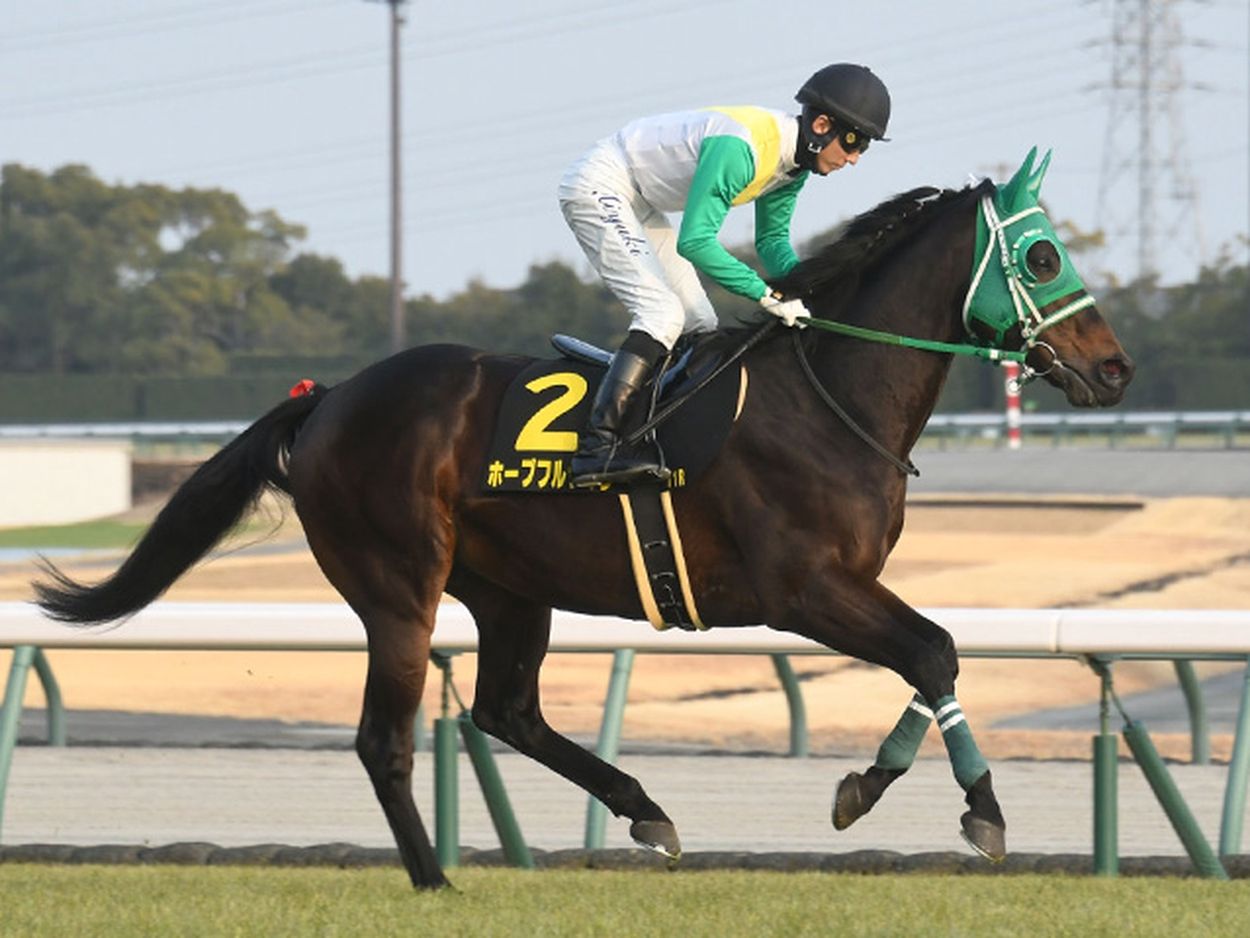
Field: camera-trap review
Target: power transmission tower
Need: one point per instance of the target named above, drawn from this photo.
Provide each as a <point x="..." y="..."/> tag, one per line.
<point x="1144" y="189"/>
<point x="398" y="338"/>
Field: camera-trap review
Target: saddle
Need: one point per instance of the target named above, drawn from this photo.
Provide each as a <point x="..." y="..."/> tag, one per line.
<point x="548" y="403"/>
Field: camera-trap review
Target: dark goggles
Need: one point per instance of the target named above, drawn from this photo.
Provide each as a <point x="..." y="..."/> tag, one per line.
<point x="851" y="139"/>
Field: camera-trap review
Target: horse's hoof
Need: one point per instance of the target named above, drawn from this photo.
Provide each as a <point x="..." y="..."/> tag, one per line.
<point x="848" y="803"/>
<point x="660" y="836"/>
<point x="985" y="837"/>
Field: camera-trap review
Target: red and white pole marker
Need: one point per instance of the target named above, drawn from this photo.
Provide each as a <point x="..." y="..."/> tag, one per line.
<point x="1011" y="372"/>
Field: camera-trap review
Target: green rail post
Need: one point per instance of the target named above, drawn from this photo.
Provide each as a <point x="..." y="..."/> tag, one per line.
<point x="52" y="694"/>
<point x="1200" y="852"/>
<point x="794" y="700"/>
<point x="1238" y="772"/>
<point x="501" y="815"/>
<point x="446" y="780"/>
<point x="1200" y="737"/>
<point x="14" y="694"/>
<point x="1106" y="781"/>
<point x="609" y="740"/>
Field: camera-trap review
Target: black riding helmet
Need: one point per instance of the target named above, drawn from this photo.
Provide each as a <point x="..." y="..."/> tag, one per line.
<point x="851" y="95"/>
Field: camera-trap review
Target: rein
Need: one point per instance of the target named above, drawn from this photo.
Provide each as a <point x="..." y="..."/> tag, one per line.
<point x="908" y="467"/>
<point x="929" y="345"/>
<point x="1030" y="319"/>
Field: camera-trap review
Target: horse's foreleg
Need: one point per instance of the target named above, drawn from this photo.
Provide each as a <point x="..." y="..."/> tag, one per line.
<point x="871" y="623"/>
<point x="858" y="793"/>
<point x="513" y="636"/>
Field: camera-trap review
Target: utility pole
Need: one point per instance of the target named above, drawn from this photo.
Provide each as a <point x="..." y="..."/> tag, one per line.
<point x="398" y="338"/>
<point x="1142" y="169"/>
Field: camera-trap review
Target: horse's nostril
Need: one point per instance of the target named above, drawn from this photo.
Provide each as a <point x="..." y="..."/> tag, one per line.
<point x="1116" y="372"/>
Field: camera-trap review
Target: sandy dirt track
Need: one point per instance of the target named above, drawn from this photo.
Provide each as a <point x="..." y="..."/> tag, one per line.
<point x="1166" y="553"/>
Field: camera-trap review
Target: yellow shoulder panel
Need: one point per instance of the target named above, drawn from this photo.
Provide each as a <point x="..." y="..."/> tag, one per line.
<point x="766" y="141"/>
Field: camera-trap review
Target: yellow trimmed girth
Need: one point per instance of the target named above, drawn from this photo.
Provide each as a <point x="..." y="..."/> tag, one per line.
<point x="641" y="581"/>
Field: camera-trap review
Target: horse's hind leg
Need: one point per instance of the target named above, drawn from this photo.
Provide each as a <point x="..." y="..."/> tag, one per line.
<point x="399" y="650"/>
<point x="396" y="597"/>
<point x="512" y="642"/>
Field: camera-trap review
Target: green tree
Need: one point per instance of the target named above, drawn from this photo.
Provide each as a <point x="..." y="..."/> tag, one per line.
<point x="100" y="278"/>
<point x="56" y="271"/>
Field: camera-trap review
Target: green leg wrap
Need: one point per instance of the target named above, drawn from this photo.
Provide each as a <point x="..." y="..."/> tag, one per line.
<point x="966" y="759"/>
<point x="898" y="751"/>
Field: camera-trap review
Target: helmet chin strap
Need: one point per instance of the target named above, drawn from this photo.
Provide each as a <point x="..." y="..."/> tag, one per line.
<point x="810" y="143"/>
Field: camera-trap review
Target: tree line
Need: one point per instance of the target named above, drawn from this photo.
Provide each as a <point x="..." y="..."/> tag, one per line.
<point x="146" y="280"/>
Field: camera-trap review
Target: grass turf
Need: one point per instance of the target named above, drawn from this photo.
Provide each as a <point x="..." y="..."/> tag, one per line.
<point x="166" y="900"/>
<point x="87" y="535"/>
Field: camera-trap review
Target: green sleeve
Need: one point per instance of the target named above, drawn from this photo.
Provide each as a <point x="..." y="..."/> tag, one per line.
<point x="726" y="167"/>
<point x="772" y="228"/>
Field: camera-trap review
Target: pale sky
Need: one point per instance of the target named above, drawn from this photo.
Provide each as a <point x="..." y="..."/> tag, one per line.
<point x="285" y="103"/>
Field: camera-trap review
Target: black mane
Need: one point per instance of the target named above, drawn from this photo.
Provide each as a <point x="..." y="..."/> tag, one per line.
<point x="869" y="238"/>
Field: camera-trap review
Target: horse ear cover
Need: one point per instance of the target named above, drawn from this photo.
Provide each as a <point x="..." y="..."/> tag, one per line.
<point x="1035" y="180"/>
<point x="1022" y="190"/>
<point x="1010" y="195"/>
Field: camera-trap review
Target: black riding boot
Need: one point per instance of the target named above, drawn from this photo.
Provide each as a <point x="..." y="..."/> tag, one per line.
<point x="602" y="456"/>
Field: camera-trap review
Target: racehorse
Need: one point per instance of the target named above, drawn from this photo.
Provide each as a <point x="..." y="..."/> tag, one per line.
<point x="790" y="526"/>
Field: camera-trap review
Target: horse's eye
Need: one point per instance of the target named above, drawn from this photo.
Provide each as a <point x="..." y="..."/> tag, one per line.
<point x="1043" y="261"/>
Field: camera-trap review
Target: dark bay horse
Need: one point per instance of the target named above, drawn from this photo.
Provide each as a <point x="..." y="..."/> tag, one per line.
<point x="790" y="526"/>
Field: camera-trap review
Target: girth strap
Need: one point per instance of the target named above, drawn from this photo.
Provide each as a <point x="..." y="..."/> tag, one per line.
<point x="657" y="559"/>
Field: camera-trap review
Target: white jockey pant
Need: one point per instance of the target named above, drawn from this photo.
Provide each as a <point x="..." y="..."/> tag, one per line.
<point x="633" y="247"/>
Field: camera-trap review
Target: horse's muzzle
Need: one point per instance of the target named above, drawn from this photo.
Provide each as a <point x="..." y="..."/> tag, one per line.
<point x="1113" y="377"/>
<point x="1091" y="384"/>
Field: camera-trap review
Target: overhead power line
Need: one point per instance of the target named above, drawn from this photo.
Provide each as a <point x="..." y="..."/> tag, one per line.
<point x="189" y="16"/>
<point x="1145" y="137"/>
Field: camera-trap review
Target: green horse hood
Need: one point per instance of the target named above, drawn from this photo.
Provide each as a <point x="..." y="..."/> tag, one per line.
<point x="1012" y="292"/>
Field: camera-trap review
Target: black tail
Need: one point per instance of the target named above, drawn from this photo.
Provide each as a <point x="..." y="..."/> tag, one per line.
<point x="198" y="515"/>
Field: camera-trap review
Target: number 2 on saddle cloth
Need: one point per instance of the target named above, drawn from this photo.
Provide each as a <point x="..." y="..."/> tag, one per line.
<point x="548" y="403"/>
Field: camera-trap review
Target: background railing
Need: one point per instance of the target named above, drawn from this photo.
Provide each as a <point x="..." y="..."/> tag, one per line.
<point x="1226" y="429"/>
<point x="1096" y="636"/>
<point x="1153" y="429"/>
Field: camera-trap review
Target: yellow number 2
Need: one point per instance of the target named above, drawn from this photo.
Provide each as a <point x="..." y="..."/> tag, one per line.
<point x="535" y="435"/>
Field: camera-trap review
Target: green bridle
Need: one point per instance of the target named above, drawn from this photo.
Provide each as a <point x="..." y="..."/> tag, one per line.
<point x="1005" y="295"/>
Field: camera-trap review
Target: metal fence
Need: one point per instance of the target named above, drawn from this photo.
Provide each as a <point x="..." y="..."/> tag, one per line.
<point x="1098" y="636"/>
<point x="1228" y="429"/>
<point x="1162" y="429"/>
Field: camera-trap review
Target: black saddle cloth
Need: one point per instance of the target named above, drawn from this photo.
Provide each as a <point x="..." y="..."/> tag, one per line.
<point x="548" y="403"/>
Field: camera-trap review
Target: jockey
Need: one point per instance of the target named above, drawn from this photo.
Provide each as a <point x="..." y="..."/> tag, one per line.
<point x="699" y="163"/>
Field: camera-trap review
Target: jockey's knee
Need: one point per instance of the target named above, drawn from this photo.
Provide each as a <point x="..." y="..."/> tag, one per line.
<point x="661" y="324"/>
<point x="701" y="319"/>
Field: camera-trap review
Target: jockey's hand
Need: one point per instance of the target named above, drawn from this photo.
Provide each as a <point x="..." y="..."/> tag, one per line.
<point x="791" y="312"/>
